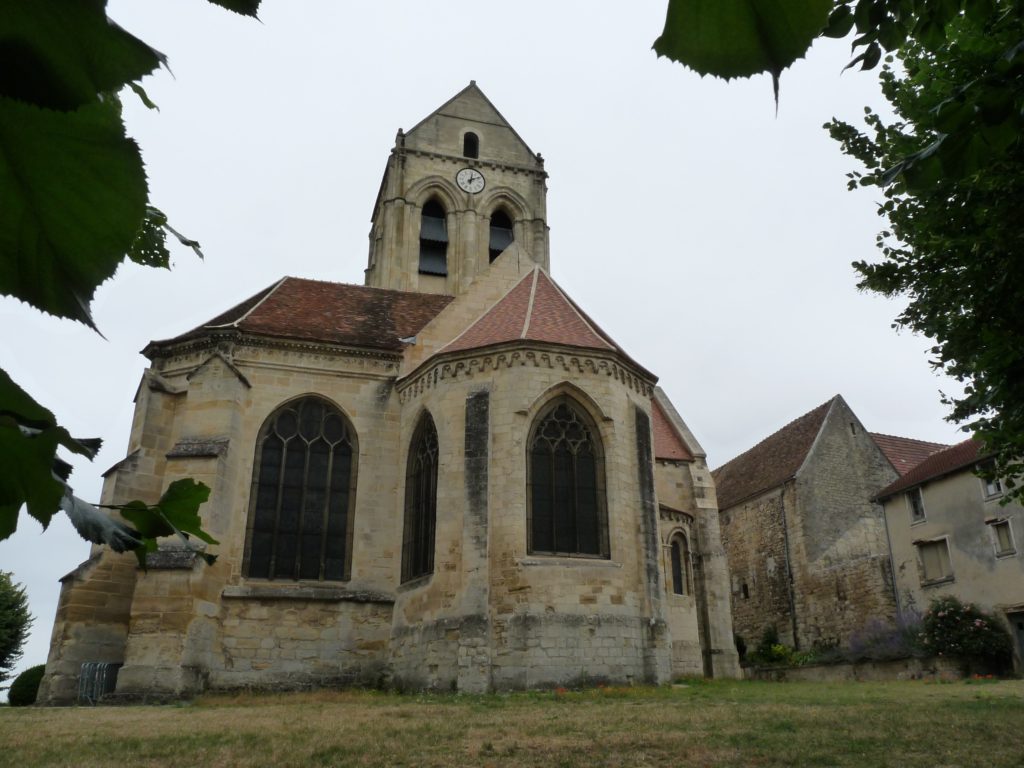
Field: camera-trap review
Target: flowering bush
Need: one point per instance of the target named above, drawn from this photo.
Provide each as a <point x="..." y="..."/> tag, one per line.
<point x="964" y="632"/>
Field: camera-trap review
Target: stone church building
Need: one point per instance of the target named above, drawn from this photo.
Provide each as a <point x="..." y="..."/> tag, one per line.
<point x="448" y="478"/>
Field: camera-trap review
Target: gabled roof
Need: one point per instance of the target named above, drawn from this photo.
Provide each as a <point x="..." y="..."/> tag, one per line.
<point x="956" y="457"/>
<point x="771" y="462"/>
<point x="472" y="91"/>
<point x="905" y="453"/>
<point x="668" y="444"/>
<point x="535" y="309"/>
<point x="332" y="313"/>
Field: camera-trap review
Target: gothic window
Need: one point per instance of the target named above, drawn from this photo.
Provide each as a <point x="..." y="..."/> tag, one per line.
<point x="566" y="484"/>
<point x="420" y="502"/>
<point x="470" y="145"/>
<point x="433" y="240"/>
<point x="680" y="556"/>
<point x="300" y="523"/>
<point x="501" y="234"/>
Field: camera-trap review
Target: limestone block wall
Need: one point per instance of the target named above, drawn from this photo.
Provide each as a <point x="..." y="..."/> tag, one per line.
<point x="551" y="619"/>
<point x="842" y="576"/>
<point x="754" y="537"/>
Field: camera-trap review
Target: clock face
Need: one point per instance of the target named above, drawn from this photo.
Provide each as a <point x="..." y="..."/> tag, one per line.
<point x="470" y="180"/>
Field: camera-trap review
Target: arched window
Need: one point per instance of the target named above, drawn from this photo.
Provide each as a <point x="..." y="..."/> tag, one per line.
<point x="566" y="479"/>
<point x="470" y="145"/>
<point x="300" y="520"/>
<point x="433" y="239"/>
<point x="420" y="502"/>
<point x="680" y="556"/>
<point x="501" y="233"/>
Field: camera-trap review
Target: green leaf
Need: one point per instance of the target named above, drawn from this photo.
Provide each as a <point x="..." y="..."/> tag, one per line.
<point x="739" y="38"/>
<point x="840" y="22"/>
<point x="27" y="476"/>
<point x="73" y="194"/>
<point x="146" y="520"/>
<point x="180" y="506"/>
<point x="18" y="405"/>
<point x="60" y="55"/>
<point x="143" y="96"/>
<point x="244" y="7"/>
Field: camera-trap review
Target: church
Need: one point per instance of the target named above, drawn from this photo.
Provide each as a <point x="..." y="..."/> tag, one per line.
<point x="448" y="478"/>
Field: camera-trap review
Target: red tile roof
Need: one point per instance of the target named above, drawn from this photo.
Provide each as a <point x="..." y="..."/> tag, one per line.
<point x="667" y="442"/>
<point x="905" y="453"/>
<point x="333" y="313"/>
<point x="771" y="462"/>
<point x="955" y="457"/>
<point x="536" y="309"/>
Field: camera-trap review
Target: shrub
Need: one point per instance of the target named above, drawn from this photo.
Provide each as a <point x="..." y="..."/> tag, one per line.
<point x="769" y="650"/>
<point x="26" y="686"/>
<point x="963" y="631"/>
<point x="880" y="640"/>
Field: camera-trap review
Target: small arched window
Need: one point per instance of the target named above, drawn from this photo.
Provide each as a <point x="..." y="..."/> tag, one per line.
<point x="501" y="233"/>
<point x="300" y="520"/>
<point x="566" y="484"/>
<point x="420" y="502"/>
<point x="433" y="239"/>
<point x="680" y="556"/>
<point x="470" y="145"/>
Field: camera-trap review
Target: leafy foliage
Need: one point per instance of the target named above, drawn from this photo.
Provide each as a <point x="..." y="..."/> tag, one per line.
<point x="75" y="204"/>
<point x="25" y="687"/>
<point x="951" y="173"/>
<point x="881" y="640"/>
<point x="963" y="631"/>
<point x="15" y="621"/>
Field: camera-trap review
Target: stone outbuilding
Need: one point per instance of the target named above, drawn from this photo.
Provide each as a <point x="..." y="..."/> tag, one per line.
<point x="806" y="544"/>
<point x="951" y="535"/>
<point x="448" y="478"/>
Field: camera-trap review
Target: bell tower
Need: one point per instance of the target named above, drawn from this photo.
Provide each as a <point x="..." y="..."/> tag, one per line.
<point x="458" y="190"/>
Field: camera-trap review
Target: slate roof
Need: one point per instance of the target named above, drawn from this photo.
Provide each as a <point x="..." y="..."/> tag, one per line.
<point x="771" y="462"/>
<point x="333" y="313"/>
<point x="905" y="453"/>
<point x="667" y="442"/>
<point x="956" y="457"/>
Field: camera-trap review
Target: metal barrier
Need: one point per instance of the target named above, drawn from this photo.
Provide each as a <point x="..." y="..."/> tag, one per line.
<point x="97" y="678"/>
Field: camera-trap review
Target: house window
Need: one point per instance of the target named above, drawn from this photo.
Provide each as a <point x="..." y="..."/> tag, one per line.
<point x="470" y="145"/>
<point x="566" y="484"/>
<point x="501" y="234"/>
<point x="680" y="557"/>
<point x="300" y="520"/>
<point x="991" y="487"/>
<point x="1002" y="538"/>
<point x="420" y="502"/>
<point x="433" y="240"/>
<point x="934" y="558"/>
<point x="915" y="502"/>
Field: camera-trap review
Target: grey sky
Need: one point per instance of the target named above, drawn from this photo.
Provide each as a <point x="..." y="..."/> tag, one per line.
<point x="709" y="237"/>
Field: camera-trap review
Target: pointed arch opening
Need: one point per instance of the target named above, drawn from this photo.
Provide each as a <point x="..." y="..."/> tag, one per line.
<point x="471" y="145"/>
<point x="420" y="502"/>
<point x="565" y="477"/>
<point x="501" y="236"/>
<point x="433" y="239"/>
<point x="303" y="494"/>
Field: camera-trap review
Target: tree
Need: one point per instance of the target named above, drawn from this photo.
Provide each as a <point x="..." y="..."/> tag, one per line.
<point x="15" y="621"/>
<point x="75" y="201"/>
<point x="950" y="170"/>
<point x="955" y="238"/>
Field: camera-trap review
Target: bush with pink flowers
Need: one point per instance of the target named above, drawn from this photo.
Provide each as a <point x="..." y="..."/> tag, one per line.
<point x="965" y="632"/>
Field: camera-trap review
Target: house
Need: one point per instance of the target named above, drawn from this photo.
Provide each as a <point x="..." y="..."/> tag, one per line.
<point x="805" y="543"/>
<point x="450" y="477"/>
<point x="951" y="535"/>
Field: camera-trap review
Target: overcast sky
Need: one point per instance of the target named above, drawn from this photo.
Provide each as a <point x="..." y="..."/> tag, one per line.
<point x="711" y="238"/>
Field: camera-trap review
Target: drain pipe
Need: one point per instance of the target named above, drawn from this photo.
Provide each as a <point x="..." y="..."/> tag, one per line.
<point x="789" y="565"/>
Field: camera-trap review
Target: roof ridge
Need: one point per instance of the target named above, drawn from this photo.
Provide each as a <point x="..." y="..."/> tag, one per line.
<point x="480" y="317"/>
<point x="579" y="313"/>
<point x="783" y="428"/>
<point x="529" y="306"/>
<point x="236" y="321"/>
<point x="914" y="439"/>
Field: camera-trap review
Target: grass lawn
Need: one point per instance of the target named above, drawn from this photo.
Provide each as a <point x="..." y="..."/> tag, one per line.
<point x="971" y="723"/>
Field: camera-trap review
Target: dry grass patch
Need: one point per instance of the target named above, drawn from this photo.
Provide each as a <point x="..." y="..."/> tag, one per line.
<point x="701" y="724"/>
